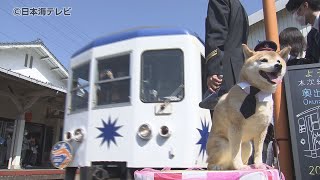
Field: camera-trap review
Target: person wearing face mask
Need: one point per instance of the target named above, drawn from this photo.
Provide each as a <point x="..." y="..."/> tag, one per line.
<point x="307" y="12"/>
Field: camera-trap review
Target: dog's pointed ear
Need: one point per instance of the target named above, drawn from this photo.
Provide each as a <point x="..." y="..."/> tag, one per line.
<point x="285" y="52"/>
<point x="247" y="51"/>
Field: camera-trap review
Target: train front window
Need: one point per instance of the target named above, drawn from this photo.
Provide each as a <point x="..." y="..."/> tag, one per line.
<point x="80" y="87"/>
<point x="113" y="80"/>
<point x="162" y="76"/>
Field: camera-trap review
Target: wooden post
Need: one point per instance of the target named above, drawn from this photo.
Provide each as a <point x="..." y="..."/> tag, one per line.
<point x="280" y="107"/>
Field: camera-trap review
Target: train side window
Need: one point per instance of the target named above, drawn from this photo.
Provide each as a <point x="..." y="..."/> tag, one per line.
<point x="80" y="87"/>
<point x="162" y="76"/>
<point x="113" y="80"/>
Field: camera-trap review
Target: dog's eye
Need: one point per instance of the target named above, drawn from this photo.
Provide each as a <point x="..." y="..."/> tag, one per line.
<point x="278" y="61"/>
<point x="264" y="60"/>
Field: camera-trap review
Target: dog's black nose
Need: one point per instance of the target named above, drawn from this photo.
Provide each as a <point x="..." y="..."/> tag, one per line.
<point x="278" y="67"/>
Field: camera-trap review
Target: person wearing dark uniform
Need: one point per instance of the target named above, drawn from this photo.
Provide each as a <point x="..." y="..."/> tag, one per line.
<point x="308" y="12"/>
<point x="226" y="30"/>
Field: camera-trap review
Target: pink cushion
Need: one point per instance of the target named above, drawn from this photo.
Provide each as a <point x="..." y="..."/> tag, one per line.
<point x="254" y="174"/>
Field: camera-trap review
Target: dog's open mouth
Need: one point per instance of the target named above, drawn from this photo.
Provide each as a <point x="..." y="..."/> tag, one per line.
<point x="272" y="77"/>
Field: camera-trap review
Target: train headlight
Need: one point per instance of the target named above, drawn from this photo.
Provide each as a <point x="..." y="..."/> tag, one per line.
<point x="78" y="135"/>
<point x="165" y="131"/>
<point x="145" y="131"/>
<point x="68" y="136"/>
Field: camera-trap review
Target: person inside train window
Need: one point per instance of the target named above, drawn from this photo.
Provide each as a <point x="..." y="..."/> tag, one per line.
<point x="104" y="88"/>
<point x="80" y="87"/>
<point x="80" y="91"/>
<point x="113" y="80"/>
<point x="80" y="95"/>
<point x="106" y="74"/>
<point x="292" y="37"/>
<point x="115" y="91"/>
<point x="307" y="12"/>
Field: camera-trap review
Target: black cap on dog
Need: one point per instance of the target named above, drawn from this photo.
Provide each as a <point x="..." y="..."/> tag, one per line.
<point x="266" y="46"/>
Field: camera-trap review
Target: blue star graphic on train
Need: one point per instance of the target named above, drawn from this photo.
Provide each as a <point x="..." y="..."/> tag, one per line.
<point x="109" y="132"/>
<point x="204" y="133"/>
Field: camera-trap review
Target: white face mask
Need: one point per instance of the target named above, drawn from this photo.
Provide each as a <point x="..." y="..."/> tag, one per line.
<point x="300" y="19"/>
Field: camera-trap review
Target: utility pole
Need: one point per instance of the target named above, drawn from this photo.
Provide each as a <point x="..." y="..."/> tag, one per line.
<point x="280" y="108"/>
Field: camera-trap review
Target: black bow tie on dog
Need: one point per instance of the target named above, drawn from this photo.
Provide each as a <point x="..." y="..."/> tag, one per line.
<point x="248" y="107"/>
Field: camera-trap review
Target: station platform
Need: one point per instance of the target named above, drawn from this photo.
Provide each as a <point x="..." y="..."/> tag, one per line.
<point x="31" y="174"/>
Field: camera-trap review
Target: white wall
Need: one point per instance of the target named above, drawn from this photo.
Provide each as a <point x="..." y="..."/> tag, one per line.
<point x="14" y="59"/>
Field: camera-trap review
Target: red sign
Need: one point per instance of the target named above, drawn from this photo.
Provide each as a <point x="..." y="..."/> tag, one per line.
<point x="28" y="116"/>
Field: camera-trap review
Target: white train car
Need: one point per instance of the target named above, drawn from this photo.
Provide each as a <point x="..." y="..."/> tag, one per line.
<point x="133" y="101"/>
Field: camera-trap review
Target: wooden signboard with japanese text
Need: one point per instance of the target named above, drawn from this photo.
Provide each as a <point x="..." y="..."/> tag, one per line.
<point x="302" y="84"/>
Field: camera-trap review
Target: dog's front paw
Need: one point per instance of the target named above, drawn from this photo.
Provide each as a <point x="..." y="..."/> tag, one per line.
<point x="214" y="167"/>
<point x="260" y="166"/>
<point x="238" y="165"/>
<point x="245" y="167"/>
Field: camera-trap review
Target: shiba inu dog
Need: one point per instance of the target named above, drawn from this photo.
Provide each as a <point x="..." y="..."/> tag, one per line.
<point x="233" y="128"/>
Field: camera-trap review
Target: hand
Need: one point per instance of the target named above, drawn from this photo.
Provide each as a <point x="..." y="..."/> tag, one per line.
<point x="109" y="74"/>
<point x="213" y="83"/>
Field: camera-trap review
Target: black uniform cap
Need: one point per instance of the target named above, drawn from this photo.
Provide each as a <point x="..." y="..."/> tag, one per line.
<point x="266" y="46"/>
